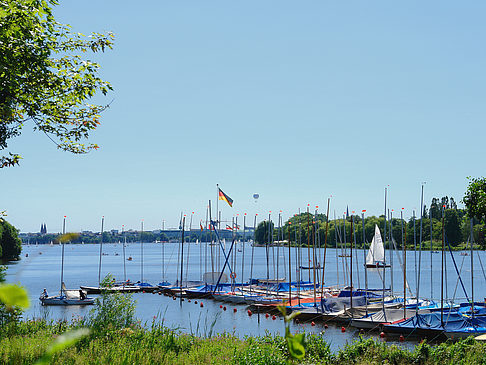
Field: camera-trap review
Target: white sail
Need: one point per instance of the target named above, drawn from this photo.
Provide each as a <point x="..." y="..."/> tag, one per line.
<point x="376" y="253"/>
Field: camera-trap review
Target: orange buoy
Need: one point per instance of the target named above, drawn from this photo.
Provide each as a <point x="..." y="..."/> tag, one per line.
<point x="201" y="305"/>
<point x="249" y="313"/>
<point x="274" y="318"/>
<point x="224" y="308"/>
<point x="235" y="310"/>
<point x="221" y="306"/>
<point x="343" y="329"/>
<point x="382" y="334"/>
<point x="267" y="315"/>
<point x="401" y="338"/>
<point x="313" y="323"/>
<point x="143" y="291"/>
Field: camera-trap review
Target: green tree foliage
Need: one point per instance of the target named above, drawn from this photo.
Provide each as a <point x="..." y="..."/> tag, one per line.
<point x="9" y="241"/>
<point x="475" y="198"/>
<point x="262" y="232"/>
<point x="44" y="81"/>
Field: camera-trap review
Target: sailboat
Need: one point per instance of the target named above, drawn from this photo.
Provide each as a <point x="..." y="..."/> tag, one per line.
<point x="65" y="297"/>
<point x="376" y="254"/>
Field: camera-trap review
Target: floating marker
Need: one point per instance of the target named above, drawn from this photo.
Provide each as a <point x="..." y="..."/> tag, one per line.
<point x="313" y="323"/>
<point x="343" y="329"/>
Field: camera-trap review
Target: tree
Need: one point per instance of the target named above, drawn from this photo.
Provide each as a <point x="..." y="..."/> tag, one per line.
<point x="44" y="81"/>
<point x="9" y="241"/>
<point x="262" y="232"/>
<point x="475" y="198"/>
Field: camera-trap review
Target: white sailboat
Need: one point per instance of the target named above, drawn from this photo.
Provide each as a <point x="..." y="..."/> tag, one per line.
<point x="66" y="296"/>
<point x="376" y="254"/>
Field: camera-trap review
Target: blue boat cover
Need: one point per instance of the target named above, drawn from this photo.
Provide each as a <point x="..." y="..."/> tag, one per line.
<point x="331" y="305"/>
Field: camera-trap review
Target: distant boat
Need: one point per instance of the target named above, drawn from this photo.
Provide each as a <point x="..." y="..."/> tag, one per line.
<point x="129" y="258"/>
<point x="376" y="254"/>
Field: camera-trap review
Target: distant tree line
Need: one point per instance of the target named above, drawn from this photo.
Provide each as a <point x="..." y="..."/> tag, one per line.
<point x="307" y="228"/>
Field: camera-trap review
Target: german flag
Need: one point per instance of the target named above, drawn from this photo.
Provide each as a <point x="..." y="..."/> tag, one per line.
<point x="226" y="198"/>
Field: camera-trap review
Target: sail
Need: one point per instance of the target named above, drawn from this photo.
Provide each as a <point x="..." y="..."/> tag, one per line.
<point x="376" y="252"/>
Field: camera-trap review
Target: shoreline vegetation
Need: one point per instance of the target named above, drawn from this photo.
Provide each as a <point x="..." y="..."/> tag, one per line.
<point x="27" y="342"/>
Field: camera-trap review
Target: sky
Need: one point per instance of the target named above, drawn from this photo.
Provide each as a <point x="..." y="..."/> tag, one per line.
<point x="295" y="101"/>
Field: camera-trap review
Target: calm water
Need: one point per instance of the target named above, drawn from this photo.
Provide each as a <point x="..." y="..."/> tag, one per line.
<point x="41" y="269"/>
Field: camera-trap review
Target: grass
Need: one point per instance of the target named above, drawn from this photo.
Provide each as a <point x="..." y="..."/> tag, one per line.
<point x="161" y="345"/>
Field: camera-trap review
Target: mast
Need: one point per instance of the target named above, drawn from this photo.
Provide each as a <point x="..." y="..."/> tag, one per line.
<point x="124" y="259"/>
<point x="325" y="247"/>
<point x="472" y="271"/>
<point x="290" y="267"/>
<point x="420" y="244"/>
<point x="243" y="251"/>
<point x="351" y="267"/>
<point x="442" y="276"/>
<point x="141" y="254"/>
<point x="384" y="263"/>
<point x="182" y="256"/>
<point x="62" y="251"/>
<point x="308" y="242"/>
<point x="314" y="254"/>
<point x="364" y="257"/>
<point x="101" y="250"/>
<point x="253" y="251"/>
<point x="431" y="250"/>
<point x="404" y="248"/>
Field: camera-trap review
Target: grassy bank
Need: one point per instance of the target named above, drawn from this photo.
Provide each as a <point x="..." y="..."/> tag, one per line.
<point x="26" y="342"/>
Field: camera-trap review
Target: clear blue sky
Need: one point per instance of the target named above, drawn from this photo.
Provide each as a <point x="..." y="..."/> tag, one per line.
<point x="295" y="101"/>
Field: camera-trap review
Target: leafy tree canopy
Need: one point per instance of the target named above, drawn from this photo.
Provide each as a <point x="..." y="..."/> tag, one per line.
<point x="44" y="81"/>
<point x="10" y="243"/>
<point x="475" y="198"/>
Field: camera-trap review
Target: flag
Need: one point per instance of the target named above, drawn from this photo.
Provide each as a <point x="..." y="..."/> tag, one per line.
<point x="200" y="225"/>
<point x="229" y="228"/>
<point x="226" y="198"/>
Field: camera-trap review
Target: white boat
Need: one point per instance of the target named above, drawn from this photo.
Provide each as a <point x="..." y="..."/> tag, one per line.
<point x="376" y="254"/>
<point x="67" y="297"/>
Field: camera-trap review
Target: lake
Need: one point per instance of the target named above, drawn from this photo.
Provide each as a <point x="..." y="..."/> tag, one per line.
<point x="41" y="269"/>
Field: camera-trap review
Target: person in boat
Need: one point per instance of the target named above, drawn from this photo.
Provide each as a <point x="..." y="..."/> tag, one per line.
<point x="82" y="296"/>
<point x="44" y="293"/>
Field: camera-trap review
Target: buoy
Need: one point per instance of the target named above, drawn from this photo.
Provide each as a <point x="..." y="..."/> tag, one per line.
<point x="267" y="315"/>
<point x="401" y="338"/>
<point x="174" y="298"/>
<point x="160" y="293"/>
<point x="249" y="313"/>
<point x="297" y="320"/>
<point x="313" y="323"/>
<point x="274" y="318"/>
<point x="143" y="291"/>
<point x="382" y="334"/>
<point x="343" y="329"/>
<point x="235" y="310"/>
<point x="195" y="302"/>
<point x="325" y="326"/>
<point x="221" y="306"/>
<point x="189" y="300"/>
<point x="224" y="308"/>
<point x="201" y="305"/>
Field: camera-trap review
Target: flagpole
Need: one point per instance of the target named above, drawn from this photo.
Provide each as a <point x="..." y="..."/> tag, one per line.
<point x="217" y="206"/>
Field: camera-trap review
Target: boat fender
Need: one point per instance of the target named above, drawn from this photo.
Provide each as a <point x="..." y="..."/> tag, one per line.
<point x="249" y="313"/>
